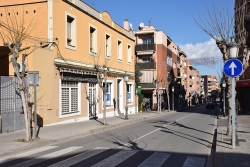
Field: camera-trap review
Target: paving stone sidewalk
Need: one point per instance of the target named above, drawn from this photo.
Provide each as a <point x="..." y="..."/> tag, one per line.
<point x="68" y="131"/>
<point x="225" y="156"/>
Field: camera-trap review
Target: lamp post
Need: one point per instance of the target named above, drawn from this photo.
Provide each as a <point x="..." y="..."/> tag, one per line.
<point x="224" y="108"/>
<point x="173" y="97"/>
<point x="126" y="81"/>
<point x="233" y="54"/>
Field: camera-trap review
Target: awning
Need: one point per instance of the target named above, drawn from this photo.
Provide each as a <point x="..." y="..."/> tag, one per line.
<point x="243" y="83"/>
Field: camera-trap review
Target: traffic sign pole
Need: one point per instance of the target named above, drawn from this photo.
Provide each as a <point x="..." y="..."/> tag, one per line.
<point x="233" y="113"/>
<point x="233" y="68"/>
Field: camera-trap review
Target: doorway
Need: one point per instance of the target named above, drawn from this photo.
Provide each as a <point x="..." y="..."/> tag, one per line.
<point x="92" y="101"/>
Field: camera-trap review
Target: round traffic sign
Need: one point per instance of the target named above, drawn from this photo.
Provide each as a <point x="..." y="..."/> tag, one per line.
<point x="233" y="68"/>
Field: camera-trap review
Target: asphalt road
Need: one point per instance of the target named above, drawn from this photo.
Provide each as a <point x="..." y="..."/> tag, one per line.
<point x="182" y="139"/>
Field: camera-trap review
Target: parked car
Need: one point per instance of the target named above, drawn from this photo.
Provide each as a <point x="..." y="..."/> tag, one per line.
<point x="210" y="105"/>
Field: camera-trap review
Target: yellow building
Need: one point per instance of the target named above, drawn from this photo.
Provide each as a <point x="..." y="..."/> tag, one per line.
<point x="68" y="86"/>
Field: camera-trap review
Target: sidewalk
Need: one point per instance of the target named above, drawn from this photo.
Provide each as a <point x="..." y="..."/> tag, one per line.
<point x="68" y="131"/>
<point x="225" y="156"/>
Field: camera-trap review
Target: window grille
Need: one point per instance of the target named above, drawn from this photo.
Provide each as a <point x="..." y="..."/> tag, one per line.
<point x="69" y="97"/>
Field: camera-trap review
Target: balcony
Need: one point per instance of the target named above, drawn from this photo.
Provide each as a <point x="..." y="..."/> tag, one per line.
<point x="147" y="85"/>
<point x="145" y="47"/>
<point x="147" y="65"/>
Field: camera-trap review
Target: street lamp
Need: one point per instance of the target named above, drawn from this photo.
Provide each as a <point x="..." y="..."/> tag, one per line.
<point x="233" y="53"/>
<point x="126" y="81"/>
<point x="233" y="49"/>
<point x="223" y="86"/>
<point x="173" y="97"/>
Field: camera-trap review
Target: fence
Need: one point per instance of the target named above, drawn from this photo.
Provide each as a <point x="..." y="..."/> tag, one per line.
<point x="11" y="110"/>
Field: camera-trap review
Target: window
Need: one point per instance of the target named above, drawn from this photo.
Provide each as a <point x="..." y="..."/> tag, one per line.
<point x="147" y="59"/>
<point x="129" y="54"/>
<point x="70" y="31"/>
<point x="109" y="94"/>
<point x="108" y="46"/>
<point x="147" y="40"/>
<point x="92" y="41"/>
<point x="70" y="98"/>
<point x="129" y="93"/>
<point x="119" y="47"/>
<point x="169" y="61"/>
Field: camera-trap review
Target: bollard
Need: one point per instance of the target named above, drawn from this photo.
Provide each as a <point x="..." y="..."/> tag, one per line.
<point x="0" y="124"/>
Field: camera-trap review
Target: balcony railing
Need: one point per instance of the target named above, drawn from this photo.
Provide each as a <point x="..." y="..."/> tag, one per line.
<point x="148" y="65"/>
<point x="147" y="85"/>
<point x="145" y="47"/>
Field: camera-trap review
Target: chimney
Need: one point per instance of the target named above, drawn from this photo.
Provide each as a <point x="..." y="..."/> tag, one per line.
<point x="125" y="24"/>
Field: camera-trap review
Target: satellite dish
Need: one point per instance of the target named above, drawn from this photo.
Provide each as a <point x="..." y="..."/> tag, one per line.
<point x="141" y="25"/>
<point x="130" y="25"/>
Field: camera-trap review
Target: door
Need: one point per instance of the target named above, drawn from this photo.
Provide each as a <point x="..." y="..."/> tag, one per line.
<point x="92" y="101"/>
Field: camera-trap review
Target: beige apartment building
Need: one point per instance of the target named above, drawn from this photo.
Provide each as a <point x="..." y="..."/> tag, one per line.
<point x="82" y="38"/>
<point x="211" y="86"/>
<point x="195" y="85"/>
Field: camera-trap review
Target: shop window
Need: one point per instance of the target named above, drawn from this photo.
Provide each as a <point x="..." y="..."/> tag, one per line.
<point x="109" y="92"/>
<point x="70" y="98"/>
<point x="129" y="93"/>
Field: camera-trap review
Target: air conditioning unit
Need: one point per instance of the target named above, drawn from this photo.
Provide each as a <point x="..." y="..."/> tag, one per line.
<point x="20" y="66"/>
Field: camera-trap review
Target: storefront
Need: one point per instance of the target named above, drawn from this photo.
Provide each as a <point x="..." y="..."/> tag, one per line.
<point x="243" y="94"/>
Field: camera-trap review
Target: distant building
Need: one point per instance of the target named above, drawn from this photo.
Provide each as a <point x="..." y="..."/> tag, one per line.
<point x="159" y="59"/>
<point x="211" y="86"/>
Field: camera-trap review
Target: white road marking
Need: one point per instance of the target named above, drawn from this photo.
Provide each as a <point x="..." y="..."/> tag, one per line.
<point x="25" y="154"/>
<point x="46" y="157"/>
<point x="80" y="157"/>
<point x="128" y="144"/>
<point x="155" y="160"/>
<point x="194" y="162"/>
<point x="116" y="158"/>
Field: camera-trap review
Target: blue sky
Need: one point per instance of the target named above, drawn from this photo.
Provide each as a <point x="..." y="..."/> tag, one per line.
<point x="174" y="17"/>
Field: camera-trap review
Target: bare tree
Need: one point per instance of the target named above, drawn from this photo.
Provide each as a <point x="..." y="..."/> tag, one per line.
<point x="102" y="74"/>
<point x="13" y="33"/>
<point x="218" y="22"/>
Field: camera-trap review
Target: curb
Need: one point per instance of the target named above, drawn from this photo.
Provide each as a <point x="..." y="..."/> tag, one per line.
<point x="218" y="160"/>
<point x="42" y="142"/>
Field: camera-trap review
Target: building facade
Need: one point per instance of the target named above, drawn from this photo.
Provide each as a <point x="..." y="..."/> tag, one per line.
<point x="159" y="61"/>
<point x="211" y="87"/>
<point x="243" y="85"/>
<point x="83" y="39"/>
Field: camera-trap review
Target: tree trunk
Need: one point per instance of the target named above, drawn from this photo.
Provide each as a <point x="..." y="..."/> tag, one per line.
<point x="22" y="89"/>
<point x="26" y="114"/>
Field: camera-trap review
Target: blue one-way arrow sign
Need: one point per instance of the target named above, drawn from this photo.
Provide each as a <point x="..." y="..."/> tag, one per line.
<point x="233" y="67"/>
